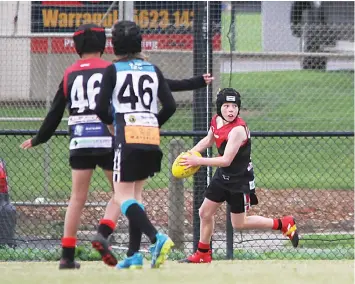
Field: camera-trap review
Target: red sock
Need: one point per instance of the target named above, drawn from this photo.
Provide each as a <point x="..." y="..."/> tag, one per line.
<point x="108" y="223"/>
<point x="68" y="245"/>
<point x="106" y="227"/>
<point x="68" y="242"/>
<point x="203" y="247"/>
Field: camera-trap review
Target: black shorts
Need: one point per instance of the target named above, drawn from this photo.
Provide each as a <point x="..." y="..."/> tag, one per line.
<point x="135" y="164"/>
<point x="239" y="202"/>
<point x="104" y="161"/>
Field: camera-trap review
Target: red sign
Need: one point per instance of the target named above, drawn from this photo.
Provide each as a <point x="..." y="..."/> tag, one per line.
<point x="150" y="42"/>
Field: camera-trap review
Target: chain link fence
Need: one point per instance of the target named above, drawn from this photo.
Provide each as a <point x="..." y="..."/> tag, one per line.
<point x="293" y="65"/>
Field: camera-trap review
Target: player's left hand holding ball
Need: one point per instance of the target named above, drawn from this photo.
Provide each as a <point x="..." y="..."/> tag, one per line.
<point x="190" y="160"/>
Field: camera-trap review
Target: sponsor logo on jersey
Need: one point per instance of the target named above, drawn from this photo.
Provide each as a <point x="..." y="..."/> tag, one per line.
<point x="142" y="119"/>
<point x="79" y="129"/>
<point x="131" y="118"/>
<point x="90" y="142"/>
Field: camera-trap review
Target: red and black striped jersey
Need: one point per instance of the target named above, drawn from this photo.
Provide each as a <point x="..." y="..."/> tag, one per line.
<point x="242" y="159"/>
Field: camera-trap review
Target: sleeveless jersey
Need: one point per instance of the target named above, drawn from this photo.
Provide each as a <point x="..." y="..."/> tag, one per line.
<point x="81" y="84"/>
<point x="240" y="172"/>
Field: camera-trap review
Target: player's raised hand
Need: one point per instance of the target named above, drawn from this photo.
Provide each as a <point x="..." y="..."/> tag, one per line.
<point x="208" y="78"/>
<point x="26" y="144"/>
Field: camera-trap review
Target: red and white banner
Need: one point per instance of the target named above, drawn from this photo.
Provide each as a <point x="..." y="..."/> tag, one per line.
<point x="150" y="42"/>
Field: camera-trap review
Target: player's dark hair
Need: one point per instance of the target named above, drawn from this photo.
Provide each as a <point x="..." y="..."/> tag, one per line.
<point x="89" y="38"/>
<point x="126" y="38"/>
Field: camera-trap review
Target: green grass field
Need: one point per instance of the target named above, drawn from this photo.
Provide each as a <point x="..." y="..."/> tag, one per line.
<point x="331" y="241"/>
<point x="324" y="163"/>
<point x="228" y="272"/>
<point x="272" y="101"/>
<point x="248" y="27"/>
<point x="296" y="100"/>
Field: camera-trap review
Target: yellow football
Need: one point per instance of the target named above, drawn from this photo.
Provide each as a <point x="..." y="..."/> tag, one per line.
<point x="179" y="171"/>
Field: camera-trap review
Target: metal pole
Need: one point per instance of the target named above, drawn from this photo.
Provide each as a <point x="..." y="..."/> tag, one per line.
<point x="209" y="100"/>
<point x="200" y="116"/>
<point x="233" y="30"/>
<point x="107" y="12"/>
<point x="229" y="227"/>
<point x="47" y="159"/>
<point x="120" y="10"/>
<point x="16" y="18"/>
<point x="209" y="88"/>
<point x="229" y="233"/>
<point x="128" y="10"/>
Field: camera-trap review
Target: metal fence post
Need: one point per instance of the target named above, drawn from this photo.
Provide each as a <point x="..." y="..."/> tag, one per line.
<point x="47" y="146"/>
<point x="202" y="63"/>
<point x="176" y="198"/>
<point x="229" y="235"/>
<point x="233" y="22"/>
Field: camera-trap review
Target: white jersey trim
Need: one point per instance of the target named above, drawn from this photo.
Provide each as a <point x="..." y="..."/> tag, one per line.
<point x="79" y="119"/>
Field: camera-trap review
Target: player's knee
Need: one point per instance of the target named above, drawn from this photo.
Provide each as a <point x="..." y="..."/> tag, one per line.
<point x="238" y="225"/>
<point x="205" y="214"/>
<point x="238" y="222"/>
<point x="78" y="199"/>
<point x="79" y="196"/>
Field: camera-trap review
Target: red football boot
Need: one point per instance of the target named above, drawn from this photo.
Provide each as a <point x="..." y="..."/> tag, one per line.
<point x="289" y="229"/>
<point x="198" y="257"/>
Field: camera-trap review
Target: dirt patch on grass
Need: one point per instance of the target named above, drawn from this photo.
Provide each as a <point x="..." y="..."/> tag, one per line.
<point x="314" y="210"/>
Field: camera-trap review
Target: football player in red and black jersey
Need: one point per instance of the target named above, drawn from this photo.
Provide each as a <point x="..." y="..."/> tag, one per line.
<point x="90" y="141"/>
<point x="233" y="180"/>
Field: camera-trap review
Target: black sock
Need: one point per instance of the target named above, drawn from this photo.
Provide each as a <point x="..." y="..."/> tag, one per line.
<point x="68" y="253"/>
<point x="135" y="238"/>
<point x="280" y="224"/>
<point x="105" y="230"/>
<point x="203" y="250"/>
<point x="203" y="247"/>
<point x="139" y="218"/>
